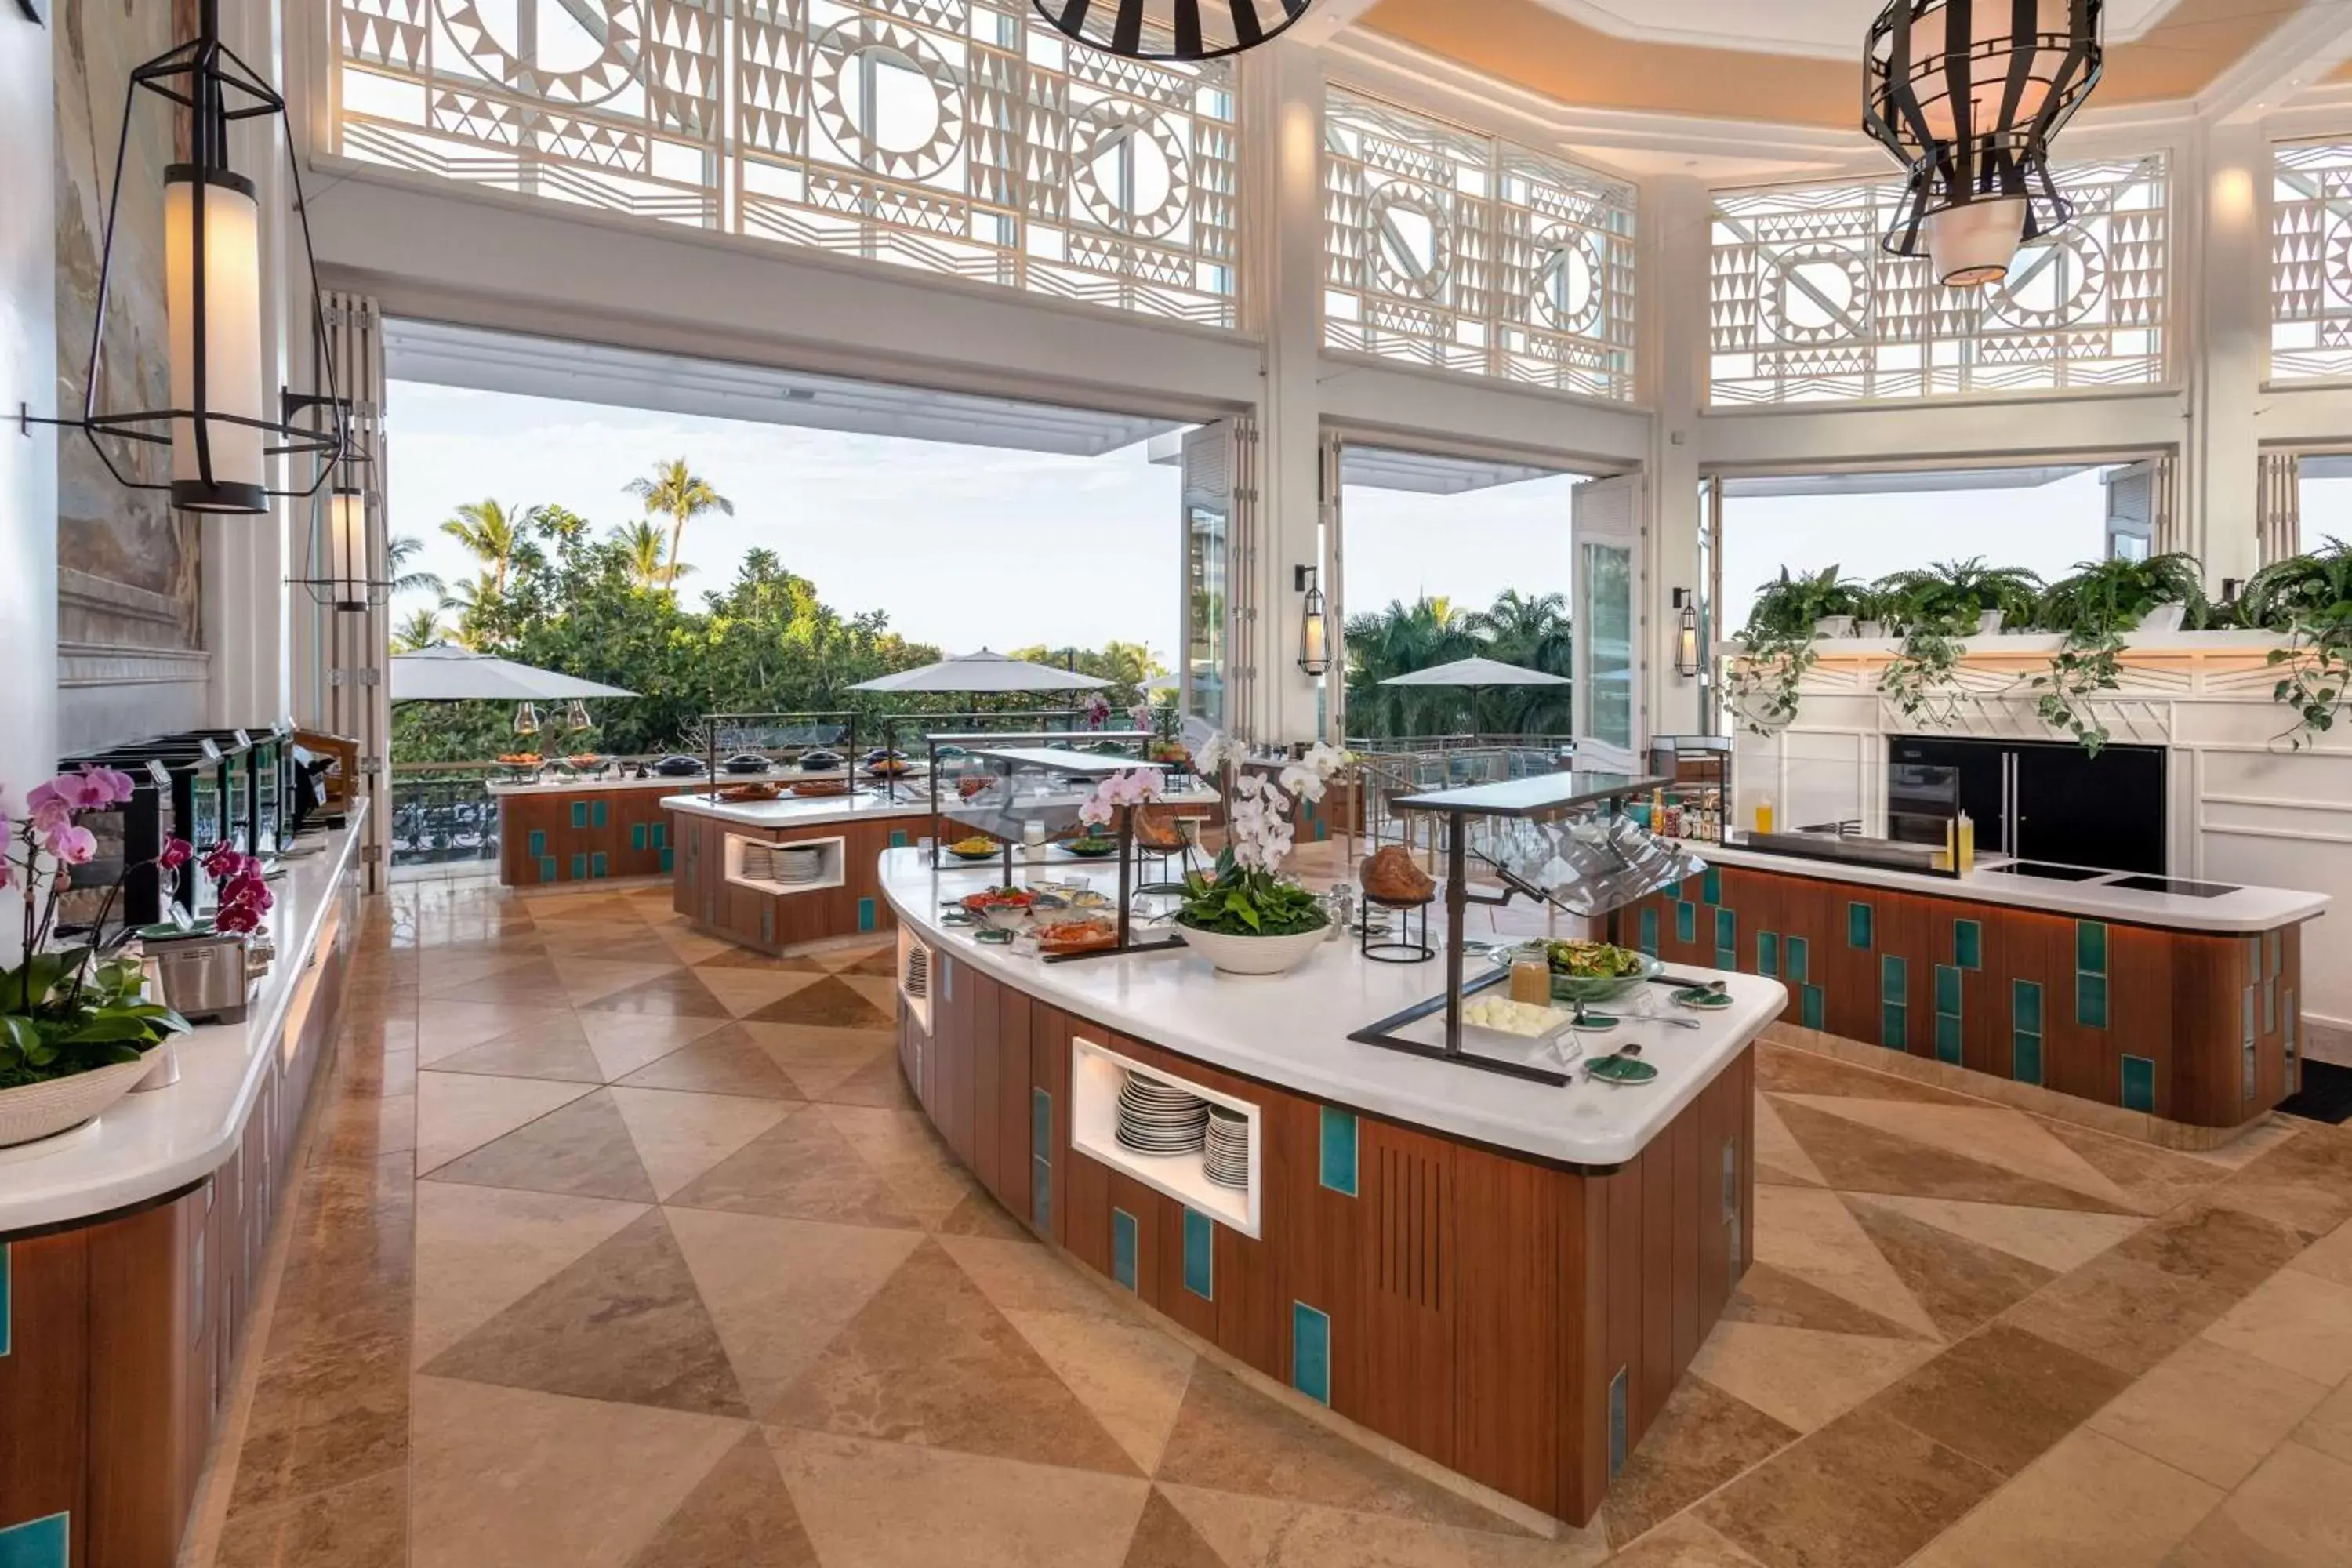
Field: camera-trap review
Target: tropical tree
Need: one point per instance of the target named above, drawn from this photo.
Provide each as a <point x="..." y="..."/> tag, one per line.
<point x="675" y="492"/>
<point x="419" y="628"/>
<point x="1382" y="644"/>
<point x="646" y="552"/>
<point x="1125" y="664"/>
<point x="490" y="535"/>
<point x="1530" y="630"/>
<point x="402" y="549"/>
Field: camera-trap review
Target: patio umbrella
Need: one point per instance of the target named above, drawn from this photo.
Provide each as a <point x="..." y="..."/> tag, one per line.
<point x="1475" y="675"/>
<point x="441" y="673"/>
<point x="983" y="673"/>
<point x="1160" y="683"/>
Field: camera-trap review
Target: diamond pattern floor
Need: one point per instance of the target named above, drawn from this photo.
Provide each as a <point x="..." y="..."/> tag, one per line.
<point x="618" y="1246"/>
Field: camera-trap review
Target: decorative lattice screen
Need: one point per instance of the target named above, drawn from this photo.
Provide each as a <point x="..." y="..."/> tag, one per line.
<point x="954" y="136"/>
<point x="2311" y="261"/>
<point x="1453" y="250"/>
<point x="1805" y="306"/>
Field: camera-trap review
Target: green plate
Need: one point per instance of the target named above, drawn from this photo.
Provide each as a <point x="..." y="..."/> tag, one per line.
<point x="1597" y="1023"/>
<point x="1091" y="848"/>
<point x="1705" y="1001"/>
<point x="994" y="936"/>
<point x="1622" y="1069"/>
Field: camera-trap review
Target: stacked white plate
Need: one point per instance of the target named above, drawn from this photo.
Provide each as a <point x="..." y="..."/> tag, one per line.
<point x="759" y="862"/>
<point x="1155" y="1118"/>
<point x="1227" y="1147"/>
<point x="798" y="863"/>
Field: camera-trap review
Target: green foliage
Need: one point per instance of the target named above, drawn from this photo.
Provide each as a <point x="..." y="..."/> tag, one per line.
<point x="2316" y="584"/>
<point x="2309" y="599"/>
<point x="1525" y="629"/>
<point x="675" y="492"/>
<point x="2095" y="608"/>
<point x="1761" y="683"/>
<point x="1242" y="901"/>
<point x="1792" y="606"/>
<point x="69" y="1012"/>
<point x="1919" y="679"/>
<point x="1951" y="597"/>
<point x="1125" y="664"/>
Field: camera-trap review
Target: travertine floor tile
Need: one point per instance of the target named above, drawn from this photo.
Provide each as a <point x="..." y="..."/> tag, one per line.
<point x="1130" y="1376"/>
<point x="739" y="1517"/>
<point x="459" y="1112"/>
<point x="1701" y="1440"/>
<point x="1799" y="1377"/>
<point x="582" y="1148"/>
<point x="2295" y="1511"/>
<point x="2001" y="1398"/>
<point x="1683" y="1542"/>
<point x="2296" y="1321"/>
<point x="481" y="1250"/>
<point x="625" y="1042"/>
<point x="2210" y="1411"/>
<point x="1814" y="1237"/>
<point x="681" y="1135"/>
<point x="2090" y="1499"/>
<point x="1865" y="1491"/>
<point x="2057" y="1240"/>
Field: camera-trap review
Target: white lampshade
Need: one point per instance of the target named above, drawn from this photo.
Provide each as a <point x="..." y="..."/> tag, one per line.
<point x="347" y="551"/>
<point x="1989" y="54"/>
<point x="230" y="346"/>
<point x="1971" y="247"/>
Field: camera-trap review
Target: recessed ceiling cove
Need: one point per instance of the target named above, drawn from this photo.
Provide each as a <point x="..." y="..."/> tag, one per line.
<point x="1823" y="27"/>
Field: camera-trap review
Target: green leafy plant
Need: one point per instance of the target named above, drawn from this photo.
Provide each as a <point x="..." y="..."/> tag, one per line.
<point x="2309" y="599"/>
<point x="1920" y="679"/>
<point x="1242" y="901"/>
<point x="1777" y="646"/>
<point x="2093" y="608"/>
<point x="1952" y="596"/>
<point x="1792" y="605"/>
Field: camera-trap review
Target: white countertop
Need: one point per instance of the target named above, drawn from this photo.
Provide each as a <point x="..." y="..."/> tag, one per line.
<point x="579" y="786"/>
<point x="149" y="1145"/>
<point x="1292" y="1031"/>
<point x="791" y="812"/>
<point x="2246" y="910"/>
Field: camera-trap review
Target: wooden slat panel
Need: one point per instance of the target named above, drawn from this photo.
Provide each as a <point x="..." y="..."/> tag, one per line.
<point x="1397" y="1358"/>
<point x="1663" y="1193"/>
<point x="44" y="1392"/>
<point x="1011" y="1113"/>
<point x="1515" y="1233"/>
<point x="141" y="1272"/>
<point x="1682" y="1141"/>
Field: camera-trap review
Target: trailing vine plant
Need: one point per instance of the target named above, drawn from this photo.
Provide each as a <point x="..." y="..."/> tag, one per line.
<point x="2093" y="608"/>
<point x="2309" y="599"/>
<point x="1936" y="607"/>
<point x="1778" y="646"/>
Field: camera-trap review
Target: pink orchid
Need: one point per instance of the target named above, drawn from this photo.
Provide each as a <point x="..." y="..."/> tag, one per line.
<point x="175" y="853"/>
<point x="222" y="860"/>
<point x="72" y="846"/>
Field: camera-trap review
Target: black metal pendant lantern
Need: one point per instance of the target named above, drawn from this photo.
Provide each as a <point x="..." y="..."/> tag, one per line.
<point x="219" y="427"/>
<point x="1967" y="94"/>
<point x="1172" y="29"/>
<point x="341" y="549"/>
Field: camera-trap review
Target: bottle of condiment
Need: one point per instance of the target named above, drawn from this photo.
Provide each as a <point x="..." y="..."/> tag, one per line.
<point x="1532" y="982"/>
<point x="1967" y="848"/>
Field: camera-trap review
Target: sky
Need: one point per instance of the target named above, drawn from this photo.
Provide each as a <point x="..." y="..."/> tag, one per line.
<point x="964" y="546"/>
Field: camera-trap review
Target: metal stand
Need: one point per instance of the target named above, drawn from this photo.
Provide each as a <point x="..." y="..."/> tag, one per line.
<point x="1409" y="944"/>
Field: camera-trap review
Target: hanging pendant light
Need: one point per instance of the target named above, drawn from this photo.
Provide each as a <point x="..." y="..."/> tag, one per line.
<point x="219" y="427"/>
<point x="526" y="719"/>
<point x="1314" y="624"/>
<point x="1172" y="29"/>
<point x="575" y="718"/>
<point x="1967" y="94"/>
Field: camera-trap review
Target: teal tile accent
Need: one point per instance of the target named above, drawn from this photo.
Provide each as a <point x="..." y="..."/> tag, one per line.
<point x="1893" y="1027"/>
<point x="637" y="836"/>
<point x="1948" y="989"/>
<point x="2025" y="1058"/>
<point x="1947" y="1038"/>
<point x="37" y="1543"/>
<point x="666" y="861"/>
<point x="1727" y="935"/>
<point x="7" y="1327"/>
<point x="1968" y="944"/>
<point x="661" y="834"/>
<point x="579" y="868"/>
<point x="596" y="866"/>
<point x="1894" y="980"/>
<point x="1710" y="886"/>
<point x="1620" y="1428"/>
<point x="2140" y="1084"/>
<point x="1767" y="954"/>
<point x="1122" y="1248"/>
<point x="2025" y="1007"/>
<point x="1200" y="1255"/>
<point x="1815" y="1007"/>
<point x="547" y="868"/>
<point x="1799" y="961"/>
<point x="898" y="839"/>
<point x="865" y="914"/>
<point x="1649" y="939"/>
<point x="2090" y="947"/>
<point x="598" y="815"/>
<point x="1310" y="1353"/>
<point x="579" y="814"/>
<point x="1337" y="1167"/>
<point x="538" y="843"/>
<point x="1685" y="921"/>
<point x="1041" y="1160"/>
<point x="2091" y="1001"/>
<point x="1859" y="919"/>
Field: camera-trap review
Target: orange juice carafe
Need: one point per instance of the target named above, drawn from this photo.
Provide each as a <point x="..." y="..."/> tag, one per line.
<point x="1763" y="816"/>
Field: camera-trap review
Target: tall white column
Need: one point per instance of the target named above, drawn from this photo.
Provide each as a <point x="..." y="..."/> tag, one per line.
<point x="28" y="374"/>
<point x="1673" y="306"/>
<point x="2228" y="357"/>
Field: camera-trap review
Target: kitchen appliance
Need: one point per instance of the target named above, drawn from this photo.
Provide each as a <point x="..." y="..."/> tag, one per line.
<point x="678" y="767"/>
<point x="130" y="834"/>
<point x="242" y="784"/>
<point x="744" y="762"/>
<point x="1697" y="769"/>
<point x="2034" y="800"/>
<point x="193" y="786"/>
<point x="201" y="975"/>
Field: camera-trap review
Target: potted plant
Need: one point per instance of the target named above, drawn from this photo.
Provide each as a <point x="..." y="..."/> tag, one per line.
<point x="1247" y="918"/>
<point x="1776" y="644"/>
<point x="2093" y="608"/>
<point x="2308" y="598"/>
<point x="76" y="1027"/>
<point x="1937" y="607"/>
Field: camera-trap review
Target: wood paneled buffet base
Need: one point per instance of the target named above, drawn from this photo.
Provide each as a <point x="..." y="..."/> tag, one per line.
<point x="130" y="1251"/>
<point x="1518" y="1320"/>
<point x="2090" y="1012"/>
<point x="711" y="889"/>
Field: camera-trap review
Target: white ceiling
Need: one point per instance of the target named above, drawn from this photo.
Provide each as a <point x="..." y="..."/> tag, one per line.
<point x="1831" y="28"/>
<point x="631" y="378"/>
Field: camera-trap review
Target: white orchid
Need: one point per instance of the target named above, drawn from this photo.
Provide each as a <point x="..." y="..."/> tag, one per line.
<point x="1214" y="752"/>
<point x="1138" y="786"/>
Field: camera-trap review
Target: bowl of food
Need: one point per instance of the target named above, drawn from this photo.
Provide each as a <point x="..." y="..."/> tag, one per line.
<point x="890" y="768"/>
<point x="970" y="788"/>
<point x="1080" y="935"/>
<point x="746" y="794"/>
<point x="821" y="789"/>
<point x="1091" y="846"/>
<point x="744" y="762"/>
<point x="585" y="761"/>
<point x="519" y="759"/>
<point x="1006" y="908"/>
<point x="819" y="761"/>
<point x="1589" y="971"/>
<point x="979" y="846"/>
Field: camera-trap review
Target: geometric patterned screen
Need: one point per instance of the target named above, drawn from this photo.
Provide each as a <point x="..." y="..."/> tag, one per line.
<point x="1451" y="249"/>
<point x="2311" y="261"/>
<point x="963" y="137"/>
<point x="1806" y="307"/>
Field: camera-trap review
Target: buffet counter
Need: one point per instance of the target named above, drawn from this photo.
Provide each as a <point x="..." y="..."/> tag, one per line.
<point x="1506" y="1277"/>
<point x="2168" y="1012"/>
<point x="706" y="851"/>
<point x="583" y="829"/>
<point x="130" y="1248"/>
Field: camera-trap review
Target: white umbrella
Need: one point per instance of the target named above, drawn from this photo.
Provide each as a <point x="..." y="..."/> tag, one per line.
<point x="1160" y="683"/>
<point x="1476" y="675"/>
<point x="984" y="672"/>
<point x="441" y="673"/>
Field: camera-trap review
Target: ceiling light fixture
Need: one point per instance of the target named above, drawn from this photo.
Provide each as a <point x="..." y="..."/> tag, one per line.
<point x="1967" y="95"/>
<point x="1181" y="30"/>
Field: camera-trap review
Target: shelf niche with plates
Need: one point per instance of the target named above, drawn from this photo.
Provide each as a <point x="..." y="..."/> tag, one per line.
<point x="760" y="865"/>
<point x="1097" y="1075"/>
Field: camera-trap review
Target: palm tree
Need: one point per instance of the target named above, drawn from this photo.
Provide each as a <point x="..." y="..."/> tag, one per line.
<point x="419" y="628"/>
<point x="648" y="556"/>
<point x="675" y="492"/>
<point x="401" y="550"/>
<point x="489" y="534"/>
<point x="1396" y="641"/>
<point x="1530" y="630"/>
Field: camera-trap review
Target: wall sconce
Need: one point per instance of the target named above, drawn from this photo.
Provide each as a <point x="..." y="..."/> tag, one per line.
<point x="1315" y="625"/>
<point x="1686" y="633"/>
<point x="217" y="428"/>
<point x="342" y="530"/>
<point x="526" y="721"/>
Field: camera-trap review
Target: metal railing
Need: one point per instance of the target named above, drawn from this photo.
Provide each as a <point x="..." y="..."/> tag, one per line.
<point x="444" y="817"/>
